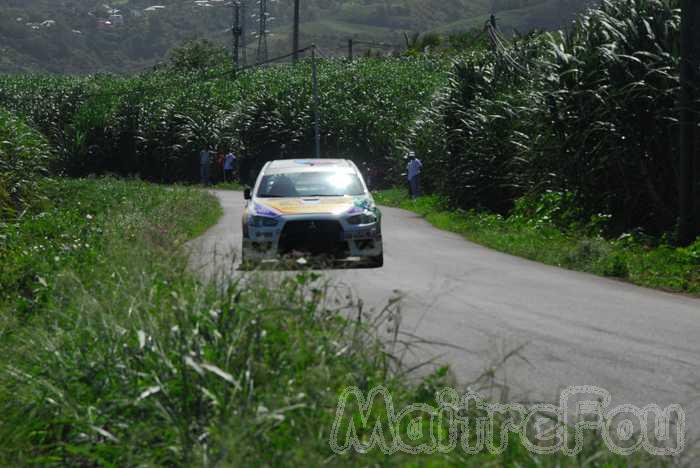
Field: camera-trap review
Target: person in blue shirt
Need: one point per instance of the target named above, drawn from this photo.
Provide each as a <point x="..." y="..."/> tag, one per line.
<point x="229" y="166"/>
<point x="413" y="170"/>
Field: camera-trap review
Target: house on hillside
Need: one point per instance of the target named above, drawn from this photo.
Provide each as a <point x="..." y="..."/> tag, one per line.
<point x="116" y="19"/>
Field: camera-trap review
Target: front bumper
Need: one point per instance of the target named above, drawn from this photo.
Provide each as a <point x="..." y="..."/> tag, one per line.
<point x="312" y="235"/>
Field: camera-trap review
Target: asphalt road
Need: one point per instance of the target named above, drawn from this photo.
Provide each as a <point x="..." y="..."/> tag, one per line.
<point x="643" y="346"/>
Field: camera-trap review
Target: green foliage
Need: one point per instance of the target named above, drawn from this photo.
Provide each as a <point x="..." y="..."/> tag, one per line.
<point x="417" y="43"/>
<point x="559" y="209"/>
<point x="155" y="124"/>
<point x="25" y="157"/>
<point x="197" y="55"/>
<point x="590" y="112"/>
<point x="66" y="232"/>
<point x="53" y="261"/>
<point x="473" y="139"/>
<point x="615" y="110"/>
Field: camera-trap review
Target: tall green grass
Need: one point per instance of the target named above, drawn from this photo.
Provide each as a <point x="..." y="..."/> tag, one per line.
<point x="25" y="157"/>
<point x="590" y="111"/>
<point x="156" y="123"/>
<point x="130" y="359"/>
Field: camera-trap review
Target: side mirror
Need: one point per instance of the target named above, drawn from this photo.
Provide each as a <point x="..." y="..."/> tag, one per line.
<point x="246" y="194"/>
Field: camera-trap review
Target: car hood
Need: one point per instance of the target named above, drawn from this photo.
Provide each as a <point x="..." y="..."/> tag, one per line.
<point x="322" y="205"/>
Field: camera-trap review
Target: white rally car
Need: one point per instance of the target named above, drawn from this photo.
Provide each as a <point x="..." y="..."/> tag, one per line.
<point x="311" y="207"/>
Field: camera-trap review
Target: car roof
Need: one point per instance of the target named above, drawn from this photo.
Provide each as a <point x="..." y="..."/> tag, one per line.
<point x="287" y="166"/>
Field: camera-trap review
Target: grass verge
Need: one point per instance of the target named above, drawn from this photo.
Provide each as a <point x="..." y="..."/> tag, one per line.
<point x="237" y="186"/>
<point x="113" y="353"/>
<point x="642" y="261"/>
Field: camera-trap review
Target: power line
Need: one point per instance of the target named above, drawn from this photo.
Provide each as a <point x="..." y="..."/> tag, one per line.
<point x="323" y="55"/>
<point x="500" y="48"/>
<point x="276" y="59"/>
<point x="378" y="44"/>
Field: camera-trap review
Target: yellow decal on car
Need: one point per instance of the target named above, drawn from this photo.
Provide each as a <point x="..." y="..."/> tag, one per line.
<point x="299" y="206"/>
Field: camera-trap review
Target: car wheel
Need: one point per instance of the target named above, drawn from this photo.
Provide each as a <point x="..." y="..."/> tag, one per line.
<point x="377" y="261"/>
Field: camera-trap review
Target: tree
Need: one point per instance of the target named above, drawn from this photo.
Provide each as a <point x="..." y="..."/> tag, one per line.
<point x="197" y="55"/>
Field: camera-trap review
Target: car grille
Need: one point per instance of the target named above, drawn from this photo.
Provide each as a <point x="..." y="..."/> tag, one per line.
<point x="313" y="237"/>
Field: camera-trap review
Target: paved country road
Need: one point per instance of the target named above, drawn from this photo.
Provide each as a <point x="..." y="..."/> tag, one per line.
<point x="576" y="329"/>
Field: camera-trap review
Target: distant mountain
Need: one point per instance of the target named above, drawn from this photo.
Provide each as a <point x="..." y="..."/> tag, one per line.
<point x="88" y="36"/>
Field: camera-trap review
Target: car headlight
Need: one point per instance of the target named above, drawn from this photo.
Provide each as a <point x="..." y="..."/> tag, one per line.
<point x="262" y="221"/>
<point x="361" y="219"/>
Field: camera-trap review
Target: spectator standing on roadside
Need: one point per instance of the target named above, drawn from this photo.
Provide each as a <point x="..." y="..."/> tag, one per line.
<point x="229" y="166"/>
<point x="204" y="161"/>
<point x="220" y="167"/>
<point x="413" y="170"/>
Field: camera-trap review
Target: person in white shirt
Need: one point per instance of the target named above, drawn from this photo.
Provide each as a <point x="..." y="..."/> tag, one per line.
<point x="413" y="170"/>
<point x="229" y="166"/>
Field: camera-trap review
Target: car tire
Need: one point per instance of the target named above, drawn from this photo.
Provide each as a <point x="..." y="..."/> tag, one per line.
<point x="377" y="261"/>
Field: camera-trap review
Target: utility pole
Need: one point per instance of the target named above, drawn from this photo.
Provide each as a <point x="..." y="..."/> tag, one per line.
<point x="236" y="31"/>
<point x="317" y="116"/>
<point x="295" y="39"/>
<point x="262" y="32"/>
<point x="689" y="144"/>
<point x="350" y="44"/>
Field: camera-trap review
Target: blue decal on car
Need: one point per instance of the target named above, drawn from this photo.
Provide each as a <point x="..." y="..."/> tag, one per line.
<point x="263" y="210"/>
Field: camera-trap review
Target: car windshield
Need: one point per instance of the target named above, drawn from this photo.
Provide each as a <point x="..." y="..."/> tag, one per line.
<point x="310" y="184"/>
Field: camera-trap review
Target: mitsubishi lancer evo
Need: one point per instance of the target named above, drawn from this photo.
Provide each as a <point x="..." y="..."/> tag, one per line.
<point x="311" y="208"/>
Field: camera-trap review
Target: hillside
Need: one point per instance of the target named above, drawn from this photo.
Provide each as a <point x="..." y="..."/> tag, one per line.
<point x="87" y="36"/>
